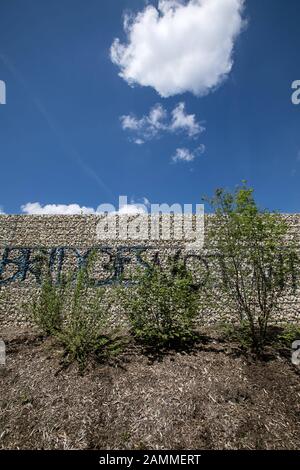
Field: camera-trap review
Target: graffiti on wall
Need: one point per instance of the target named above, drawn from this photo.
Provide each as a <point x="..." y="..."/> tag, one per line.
<point x="20" y="264"/>
<point x="113" y="265"/>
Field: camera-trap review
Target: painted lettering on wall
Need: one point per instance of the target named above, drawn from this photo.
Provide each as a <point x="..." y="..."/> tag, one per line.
<point x="113" y="265"/>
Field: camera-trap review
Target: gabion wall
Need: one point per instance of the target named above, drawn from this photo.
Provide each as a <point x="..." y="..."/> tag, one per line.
<point x="32" y="245"/>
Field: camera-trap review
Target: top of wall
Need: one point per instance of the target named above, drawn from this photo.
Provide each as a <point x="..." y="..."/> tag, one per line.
<point x="81" y="230"/>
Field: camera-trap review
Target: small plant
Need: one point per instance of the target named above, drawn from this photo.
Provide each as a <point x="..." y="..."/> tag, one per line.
<point x="240" y="333"/>
<point x="162" y="306"/>
<point x="46" y="309"/>
<point x="25" y="398"/>
<point x="77" y="316"/>
<point x="289" y="334"/>
<point x="84" y="330"/>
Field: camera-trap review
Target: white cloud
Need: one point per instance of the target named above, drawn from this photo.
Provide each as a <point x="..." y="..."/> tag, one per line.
<point x="1" y="211"/>
<point x="147" y="127"/>
<point x="130" y="122"/>
<point x="139" y="141"/>
<point x="159" y="121"/>
<point x="135" y="207"/>
<point x="131" y="209"/>
<point x="35" y="208"/>
<point x="183" y="121"/>
<point x="179" y="46"/>
<point x="186" y="155"/>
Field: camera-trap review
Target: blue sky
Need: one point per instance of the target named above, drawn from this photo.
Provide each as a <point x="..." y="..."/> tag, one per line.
<point x="62" y="136"/>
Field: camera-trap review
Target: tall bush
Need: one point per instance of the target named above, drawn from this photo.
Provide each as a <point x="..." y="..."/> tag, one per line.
<point x="257" y="260"/>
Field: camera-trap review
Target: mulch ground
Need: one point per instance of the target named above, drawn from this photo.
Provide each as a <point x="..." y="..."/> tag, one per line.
<point x="212" y="397"/>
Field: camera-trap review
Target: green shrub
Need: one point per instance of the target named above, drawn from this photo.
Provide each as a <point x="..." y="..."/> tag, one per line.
<point x="240" y="333"/>
<point x="162" y="306"/>
<point x="77" y="316"/>
<point x="85" y="327"/>
<point x="257" y="261"/>
<point x="46" y="309"/>
<point x="290" y="333"/>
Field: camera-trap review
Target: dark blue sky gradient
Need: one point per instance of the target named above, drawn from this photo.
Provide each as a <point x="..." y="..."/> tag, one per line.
<point x="60" y="134"/>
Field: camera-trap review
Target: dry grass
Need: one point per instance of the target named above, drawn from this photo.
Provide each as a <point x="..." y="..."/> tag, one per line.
<point x="210" y="398"/>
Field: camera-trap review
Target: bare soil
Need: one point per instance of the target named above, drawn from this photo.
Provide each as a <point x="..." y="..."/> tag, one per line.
<point x="212" y="397"/>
